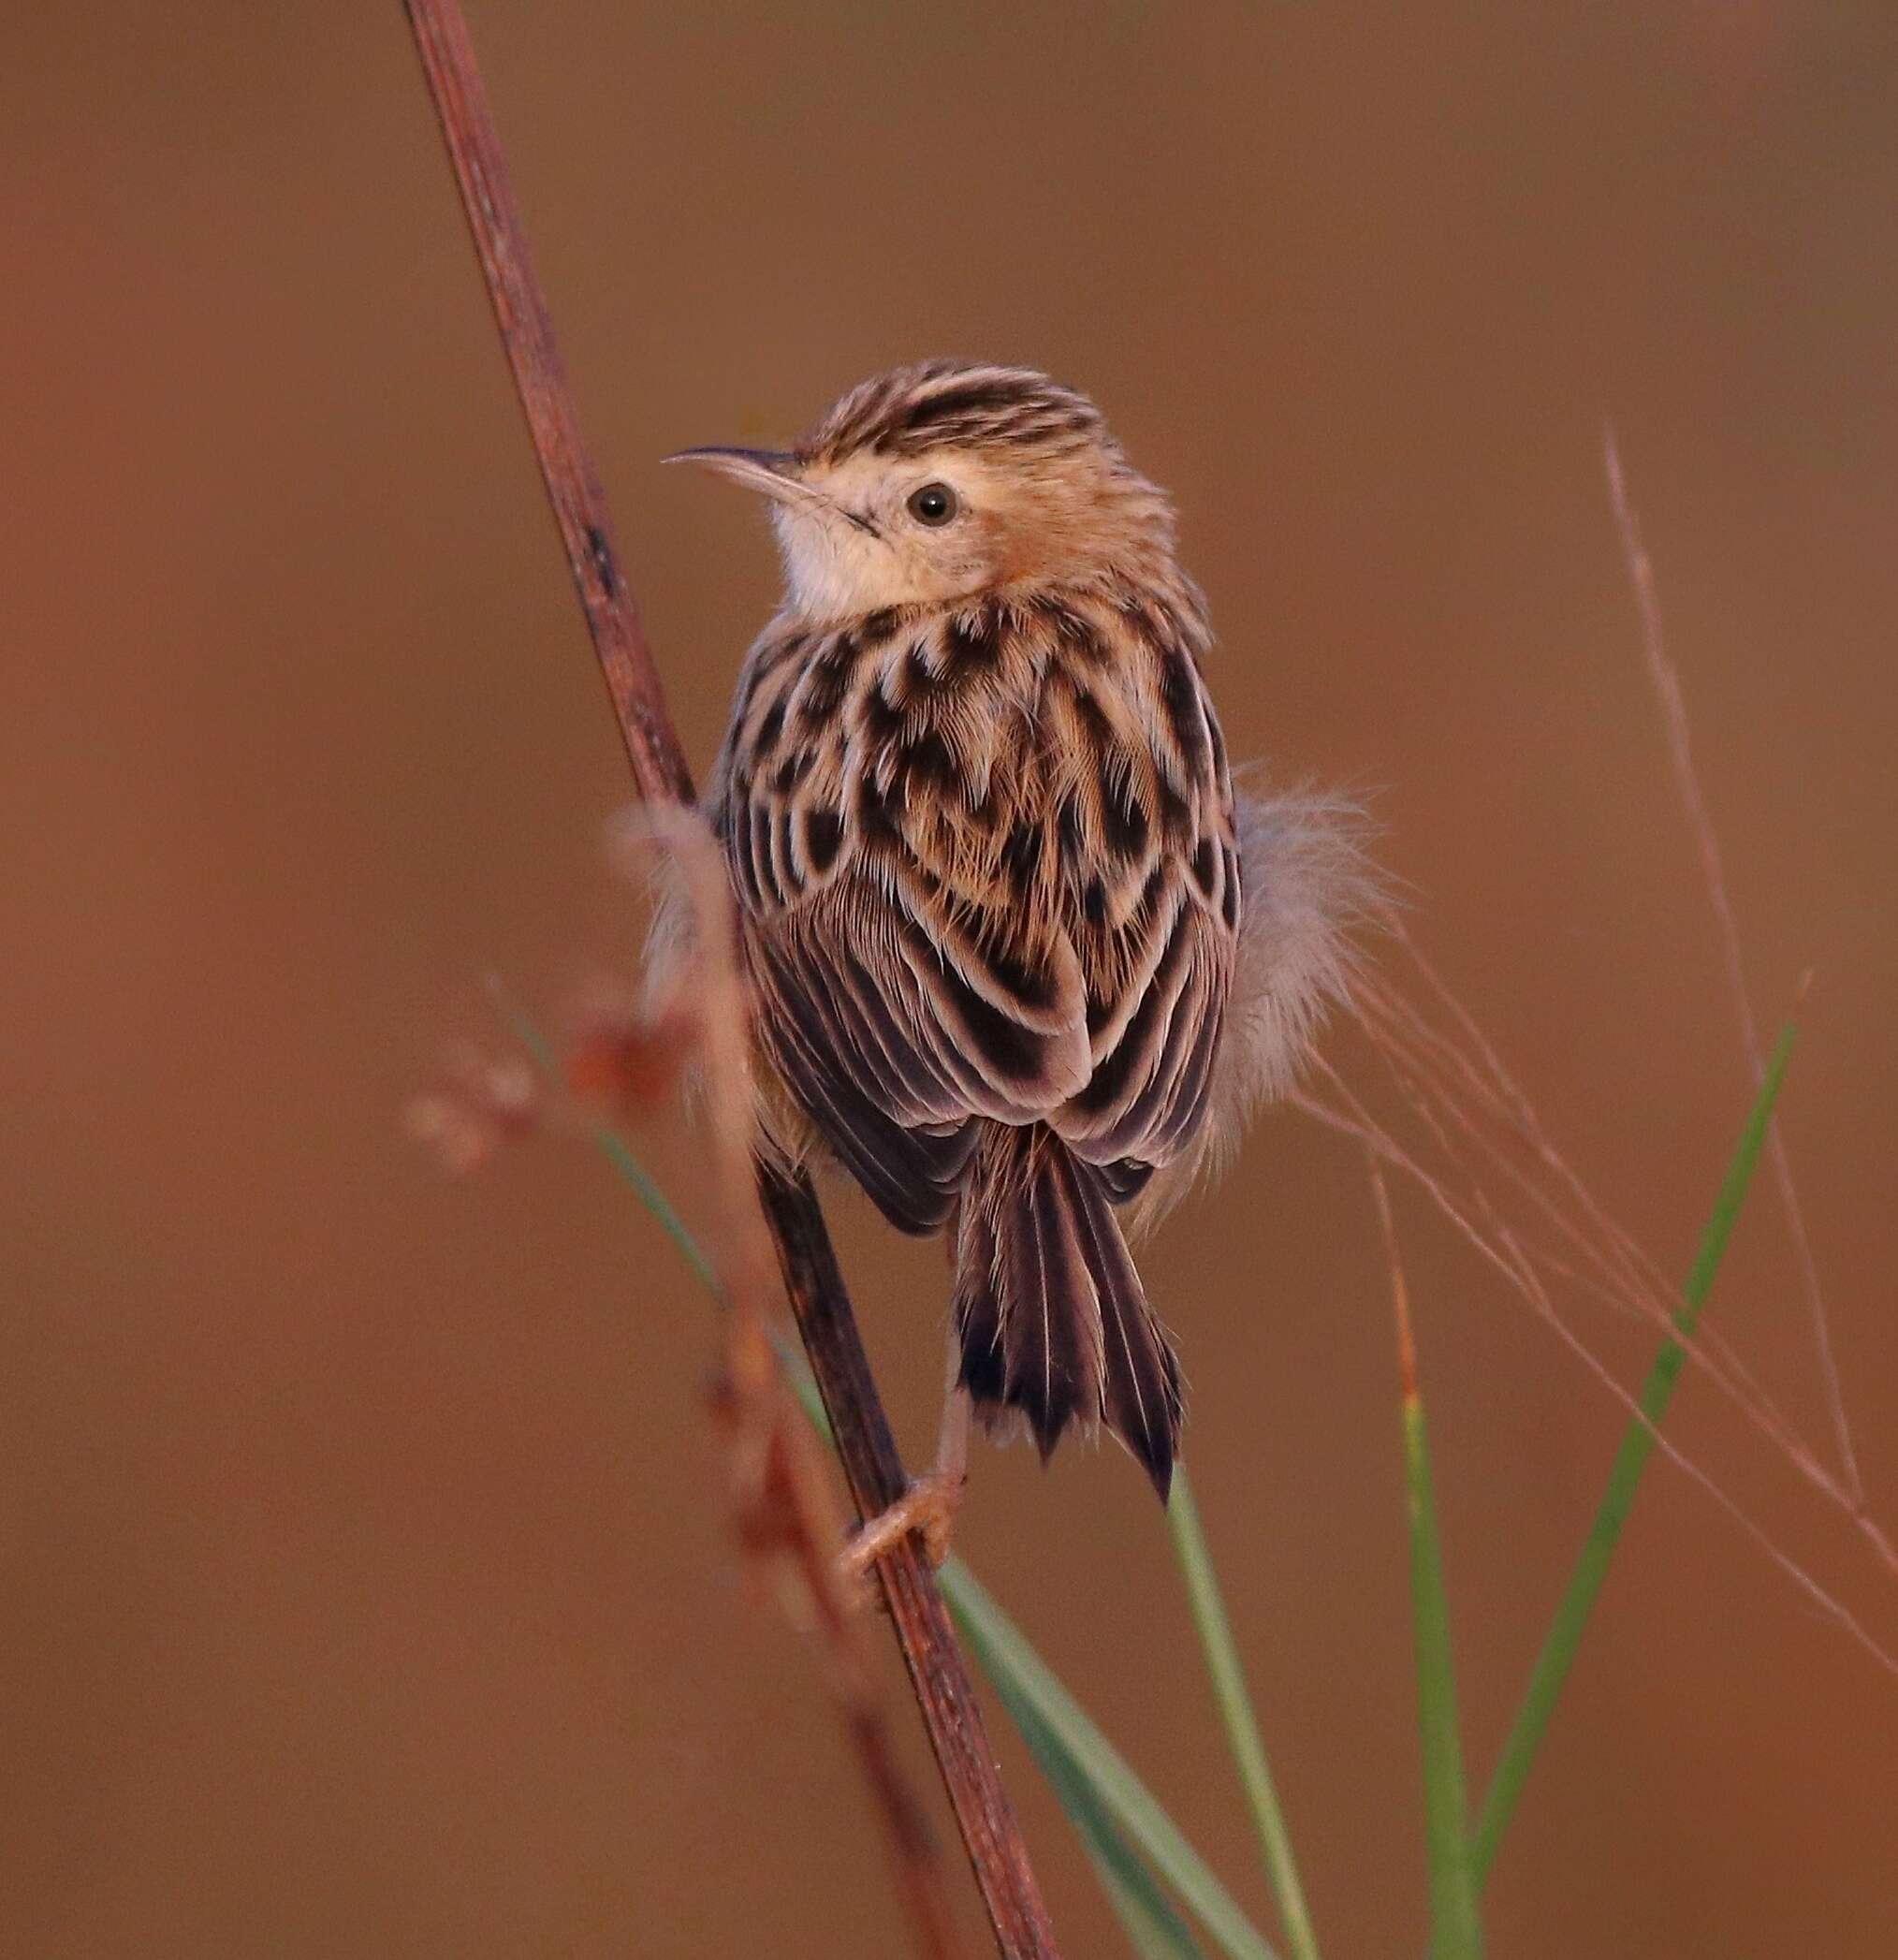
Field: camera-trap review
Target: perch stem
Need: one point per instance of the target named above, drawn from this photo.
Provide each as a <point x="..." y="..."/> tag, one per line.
<point x="939" y="1677"/>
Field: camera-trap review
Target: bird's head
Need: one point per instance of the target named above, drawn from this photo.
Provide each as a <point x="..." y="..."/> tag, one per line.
<point x="931" y="484"/>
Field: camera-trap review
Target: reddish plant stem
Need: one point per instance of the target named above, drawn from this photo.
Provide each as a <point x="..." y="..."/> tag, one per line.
<point x="938" y="1676"/>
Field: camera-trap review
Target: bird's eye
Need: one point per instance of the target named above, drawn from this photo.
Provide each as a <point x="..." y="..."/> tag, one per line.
<point x="934" y="504"/>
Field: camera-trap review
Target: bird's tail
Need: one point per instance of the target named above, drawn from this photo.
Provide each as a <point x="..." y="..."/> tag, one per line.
<point x="1052" y="1317"/>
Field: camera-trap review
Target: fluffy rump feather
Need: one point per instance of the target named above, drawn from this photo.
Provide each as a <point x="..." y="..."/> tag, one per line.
<point x="1308" y="885"/>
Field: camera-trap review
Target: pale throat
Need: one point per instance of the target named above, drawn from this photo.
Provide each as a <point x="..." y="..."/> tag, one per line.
<point x="833" y="571"/>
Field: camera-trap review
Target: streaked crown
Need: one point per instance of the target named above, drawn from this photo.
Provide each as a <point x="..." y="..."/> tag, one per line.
<point x="963" y="404"/>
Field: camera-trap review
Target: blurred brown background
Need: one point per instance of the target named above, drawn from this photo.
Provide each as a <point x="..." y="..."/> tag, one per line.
<point x="367" y="1588"/>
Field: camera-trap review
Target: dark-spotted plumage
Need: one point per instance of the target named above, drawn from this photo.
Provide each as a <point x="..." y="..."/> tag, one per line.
<point x="989" y="891"/>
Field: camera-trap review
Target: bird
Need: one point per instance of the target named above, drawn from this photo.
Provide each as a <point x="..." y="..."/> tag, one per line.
<point x="1021" y="960"/>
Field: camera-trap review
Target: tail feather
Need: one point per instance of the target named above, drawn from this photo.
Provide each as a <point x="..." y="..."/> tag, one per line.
<point x="978" y="1311"/>
<point x="1141" y="1394"/>
<point x="1053" y="1319"/>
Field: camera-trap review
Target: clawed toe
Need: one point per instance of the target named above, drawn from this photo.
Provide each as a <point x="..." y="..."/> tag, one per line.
<point x="929" y="1507"/>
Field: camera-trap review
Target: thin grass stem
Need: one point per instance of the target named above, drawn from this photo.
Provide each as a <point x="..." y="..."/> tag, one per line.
<point x="1558" y="1656"/>
<point x="1456" y="1926"/>
<point x="1456" y="1922"/>
<point x="1236" y="1716"/>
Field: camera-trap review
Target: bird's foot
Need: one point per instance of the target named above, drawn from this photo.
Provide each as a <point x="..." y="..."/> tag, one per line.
<point x="929" y="1507"/>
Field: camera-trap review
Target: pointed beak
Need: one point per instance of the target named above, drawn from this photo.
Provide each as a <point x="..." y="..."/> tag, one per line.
<point x="774" y="472"/>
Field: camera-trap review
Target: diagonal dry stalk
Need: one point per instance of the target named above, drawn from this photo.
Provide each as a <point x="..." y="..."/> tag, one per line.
<point x="1665" y="678"/>
<point x="1467" y="1092"/>
<point x="1487" y="1164"/>
<point x="938" y="1676"/>
<point x="1458" y="1086"/>
<point x="787" y="1515"/>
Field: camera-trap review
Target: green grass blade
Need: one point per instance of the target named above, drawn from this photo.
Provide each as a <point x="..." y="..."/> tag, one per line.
<point x="1558" y="1656"/>
<point x="1151" y="1938"/>
<point x="1236" y="1716"/>
<point x="1097" y="1787"/>
<point x="1154" y="1928"/>
<point x="1456" y="1926"/>
<point x="1007" y="1655"/>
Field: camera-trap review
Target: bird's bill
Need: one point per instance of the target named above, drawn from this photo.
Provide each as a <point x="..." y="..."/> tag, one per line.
<point x="773" y="472"/>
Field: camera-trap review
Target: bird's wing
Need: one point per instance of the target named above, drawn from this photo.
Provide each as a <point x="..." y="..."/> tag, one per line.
<point x="1150" y="841"/>
<point x="905" y="984"/>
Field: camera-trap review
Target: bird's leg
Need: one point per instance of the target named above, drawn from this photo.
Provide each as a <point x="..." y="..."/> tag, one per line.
<point x="929" y="1506"/>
